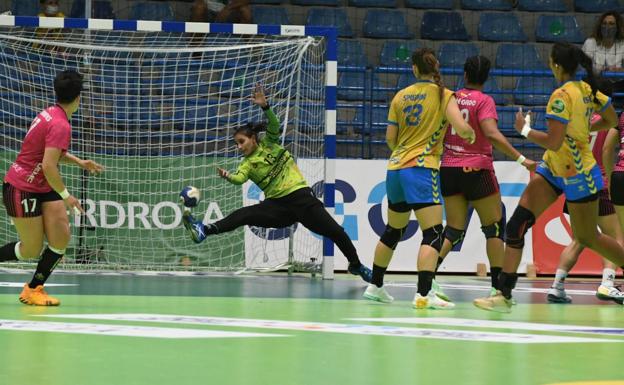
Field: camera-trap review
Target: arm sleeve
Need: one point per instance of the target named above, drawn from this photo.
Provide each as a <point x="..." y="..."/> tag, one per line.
<point x="58" y="136"/>
<point x="273" y="129"/>
<point x="393" y="117"/>
<point x="559" y="107"/>
<point x="487" y="110"/>
<point x="589" y="47"/>
<point x="603" y="102"/>
<point x="241" y="175"/>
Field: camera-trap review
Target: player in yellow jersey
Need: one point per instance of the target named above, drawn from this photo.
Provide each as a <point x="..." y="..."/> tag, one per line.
<point x="568" y="167"/>
<point x="417" y="121"/>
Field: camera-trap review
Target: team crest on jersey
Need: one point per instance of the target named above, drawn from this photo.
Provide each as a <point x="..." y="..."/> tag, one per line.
<point x="557" y="106"/>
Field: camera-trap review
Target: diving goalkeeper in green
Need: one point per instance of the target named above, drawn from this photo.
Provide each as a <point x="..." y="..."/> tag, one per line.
<point x="288" y="198"/>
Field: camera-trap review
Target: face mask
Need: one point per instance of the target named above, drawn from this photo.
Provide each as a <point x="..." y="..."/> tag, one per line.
<point x="51" y="9"/>
<point x="608" y="31"/>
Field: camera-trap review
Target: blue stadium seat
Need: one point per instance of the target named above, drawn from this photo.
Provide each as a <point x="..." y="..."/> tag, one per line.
<point x="487" y="5"/>
<point x="379" y="118"/>
<point x="270" y="15"/>
<point x="507" y="118"/>
<point x="500" y="27"/>
<point x="518" y="56"/>
<point x="438" y="25"/>
<point x="356" y="86"/>
<point x="331" y="17"/>
<point x="350" y="53"/>
<point x="491" y="88"/>
<point x="267" y="1"/>
<point x="455" y="54"/>
<point x="429" y="4"/>
<point x="596" y="6"/>
<point x="100" y="9"/>
<point x="25" y="7"/>
<point x="386" y="24"/>
<point x="542" y="6"/>
<point x="152" y="11"/>
<point x="398" y="53"/>
<point x="373" y="3"/>
<point x="551" y="28"/>
<point x="314" y="2"/>
<point x="534" y="91"/>
<point x="405" y="80"/>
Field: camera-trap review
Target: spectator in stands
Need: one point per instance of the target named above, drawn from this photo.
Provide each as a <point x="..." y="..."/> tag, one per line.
<point x="50" y="8"/>
<point x="221" y="11"/>
<point x="606" y="44"/>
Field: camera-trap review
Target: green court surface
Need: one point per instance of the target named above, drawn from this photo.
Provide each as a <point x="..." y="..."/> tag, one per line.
<point x="280" y="330"/>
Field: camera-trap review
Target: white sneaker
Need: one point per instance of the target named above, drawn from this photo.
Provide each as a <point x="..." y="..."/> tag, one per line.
<point x="556" y="295"/>
<point x="431" y="301"/>
<point x="611" y="293"/>
<point x="378" y="294"/>
<point x="439" y="292"/>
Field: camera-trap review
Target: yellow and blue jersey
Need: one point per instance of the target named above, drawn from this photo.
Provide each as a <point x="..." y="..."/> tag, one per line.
<point x="573" y="104"/>
<point x="420" y="117"/>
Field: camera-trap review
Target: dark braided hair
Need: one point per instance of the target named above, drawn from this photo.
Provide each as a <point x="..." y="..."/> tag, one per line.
<point x="424" y="59"/>
<point x="569" y="57"/>
<point x="251" y="130"/>
<point x="477" y="69"/>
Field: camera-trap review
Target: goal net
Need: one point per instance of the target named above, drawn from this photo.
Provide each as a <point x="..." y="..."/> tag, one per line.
<point x="158" y="112"/>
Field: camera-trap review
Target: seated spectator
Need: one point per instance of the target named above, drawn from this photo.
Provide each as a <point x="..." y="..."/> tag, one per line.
<point x="50" y="8"/>
<point x="221" y="11"/>
<point x="606" y="44"/>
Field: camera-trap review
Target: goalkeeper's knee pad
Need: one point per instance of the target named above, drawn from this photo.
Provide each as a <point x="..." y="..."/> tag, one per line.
<point x="434" y="237"/>
<point x="519" y="223"/>
<point x="392" y="236"/>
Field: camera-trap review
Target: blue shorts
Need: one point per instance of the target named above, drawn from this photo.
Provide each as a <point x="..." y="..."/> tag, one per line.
<point x="577" y="187"/>
<point x="414" y="185"/>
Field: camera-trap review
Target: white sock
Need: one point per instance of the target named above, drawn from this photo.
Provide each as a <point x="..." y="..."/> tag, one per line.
<point x="608" y="277"/>
<point x="560" y="276"/>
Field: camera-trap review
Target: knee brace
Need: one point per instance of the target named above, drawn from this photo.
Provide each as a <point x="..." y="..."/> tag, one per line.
<point x="495" y="230"/>
<point x="454" y="235"/>
<point x="434" y="237"/>
<point x="391" y="236"/>
<point x="520" y="222"/>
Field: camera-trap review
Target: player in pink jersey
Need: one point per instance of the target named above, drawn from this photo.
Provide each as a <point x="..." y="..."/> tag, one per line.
<point x="607" y="222"/>
<point x="34" y="194"/>
<point x="467" y="170"/>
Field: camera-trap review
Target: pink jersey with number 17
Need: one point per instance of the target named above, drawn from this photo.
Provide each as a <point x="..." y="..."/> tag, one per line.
<point x="49" y="129"/>
<point x="475" y="107"/>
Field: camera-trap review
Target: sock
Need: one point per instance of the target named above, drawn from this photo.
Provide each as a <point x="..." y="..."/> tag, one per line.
<point x="608" y="277"/>
<point x="424" y="282"/>
<point x="440" y="260"/>
<point x="9" y="252"/>
<point x="378" y="275"/>
<point x="210" y="229"/>
<point x="560" y="276"/>
<point x="49" y="259"/>
<point x="507" y="281"/>
<point x="494" y="273"/>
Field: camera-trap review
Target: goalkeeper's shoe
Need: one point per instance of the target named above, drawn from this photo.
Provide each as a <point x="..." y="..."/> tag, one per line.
<point x="37" y="297"/>
<point x="437" y="289"/>
<point x="194" y="227"/>
<point x="378" y="294"/>
<point x="362" y="271"/>
<point x="612" y="293"/>
<point x="497" y="303"/>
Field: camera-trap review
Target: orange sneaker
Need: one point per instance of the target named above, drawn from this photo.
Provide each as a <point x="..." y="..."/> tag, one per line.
<point x="37" y="297"/>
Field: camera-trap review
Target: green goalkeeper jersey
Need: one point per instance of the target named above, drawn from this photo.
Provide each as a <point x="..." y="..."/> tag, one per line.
<point x="271" y="166"/>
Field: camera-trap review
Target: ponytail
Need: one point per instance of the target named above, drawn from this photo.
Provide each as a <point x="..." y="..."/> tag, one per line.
<point x="587" y="63"/>
<point x="569" y="57"/>
<point x="424" y="59"/>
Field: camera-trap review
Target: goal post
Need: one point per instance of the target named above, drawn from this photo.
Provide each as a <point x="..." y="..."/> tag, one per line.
<point x="161" y="102"/>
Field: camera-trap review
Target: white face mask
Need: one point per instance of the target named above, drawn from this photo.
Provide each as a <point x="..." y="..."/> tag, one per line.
<point x="51" y="9"/>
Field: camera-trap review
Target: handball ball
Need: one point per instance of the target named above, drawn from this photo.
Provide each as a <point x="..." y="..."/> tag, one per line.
<point x="189" y="196"/>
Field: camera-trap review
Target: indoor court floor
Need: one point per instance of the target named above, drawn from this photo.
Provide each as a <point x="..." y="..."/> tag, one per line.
<point x="275" y="329"/>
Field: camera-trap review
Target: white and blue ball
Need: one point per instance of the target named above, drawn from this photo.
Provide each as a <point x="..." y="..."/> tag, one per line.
<point x="189" y="196"/>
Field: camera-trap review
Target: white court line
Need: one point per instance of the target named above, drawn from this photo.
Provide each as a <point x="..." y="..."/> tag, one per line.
<point x="21" y="284"/>
<point x="539" y="290"/>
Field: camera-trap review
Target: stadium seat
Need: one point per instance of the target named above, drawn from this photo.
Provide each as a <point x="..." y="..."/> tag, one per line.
<point x="314" y="2"/>
<point x="455" y="54"/>
<point x="542" y="6"/>
<point x="270" y="15"/>
<point x="507" y="118"/>
<point x="379" y="118"/>
<point x="350" y="53"/>
<point x="152" y="11"/>
<point x="487" y="5"/>
<point x="429" y="4"/>
<point x="500" y="27"/>
<point x="565" y="28"/>
<point x="491" y="88"/>
<point x="398" y="53"/>
<point x="373" y="3"/>
<point x="267" y="1"/>
<point x="518" y="57"/>
<point x="100" y="9"/>
<point x="439" y="25"/>
<point x="356" y="86"/>
<point x="596" y="6"/>
<point x="25" y="7"/>
<point x="331" y="17"/>
<point x="386" y="24"/>
<point x="534" y="91"/>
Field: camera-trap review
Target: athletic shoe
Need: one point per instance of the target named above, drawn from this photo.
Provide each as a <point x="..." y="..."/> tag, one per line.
<point x="493" y="292"/>
<point x="612" y="293"/>
<point x="497" y="303"/>
<point x="558" y="296"/>
<point x="362" y="271"/>
<point x="378" y="294"/>
<point x="437" y="289"/>
<point x="431" y="301"/>
<point x="194" y="227"/>
<point x="37" y="297"/>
